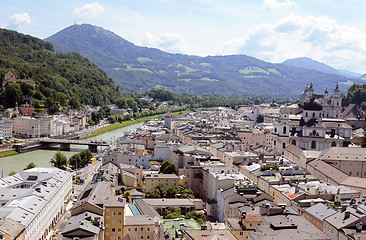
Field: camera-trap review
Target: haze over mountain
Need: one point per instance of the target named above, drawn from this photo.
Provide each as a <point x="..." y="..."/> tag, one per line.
<point x="135" y="68"/>
<point x="309" y="63"/>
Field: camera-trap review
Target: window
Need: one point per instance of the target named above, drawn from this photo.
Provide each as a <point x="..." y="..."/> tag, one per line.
<point x="284" y="130"/>
<point x="129" y="229"/>
<point x="113" y="229"/>
<point x="113" y="213"/>
<point x="241" y="233"/>
<point x="313" y="145"/>
<point x="148" y="237"/>
<point x="119" y="230"/>
<point x="142" y="229"/>
<point x="119" y="221"/>
<point x="148" y="229"/>
<point x="306" y="114"/>
<point x="142" y="237"/>
<point x="135" y="229"/>
<point x="119" y="213"/>
<point x="313" y="114"/>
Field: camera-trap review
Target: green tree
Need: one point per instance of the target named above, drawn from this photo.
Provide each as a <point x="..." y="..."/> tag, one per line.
<point x="172" y="213"/>
<point x="167" y="168"/>
<point x="37" y="104"/>
<point x="363" y="141"/>
<point x="127" y="195"/>
<point x="75" y="161"/>
<point x="85" y="155"/>
<point x="172" y="191"/>
<point x="12" y="95"/>
<point x="157" y="192"/>
<point x="59" y="161"/>
<point x="30" y="165"/>
<point x="199" y="217"/>
<point x="187" y="193"/>
<point x="12" y="173"/>
<point x="260" y="118"/>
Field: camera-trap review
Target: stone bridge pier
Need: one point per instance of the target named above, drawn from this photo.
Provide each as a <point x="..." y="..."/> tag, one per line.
<point x="65" y="147"/>
<point x="93" y="148"/>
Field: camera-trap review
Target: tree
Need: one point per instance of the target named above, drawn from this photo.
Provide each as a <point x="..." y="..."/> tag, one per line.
<point x="167" y="168"/>
<point x="127" y="195"/>
<point x="187" y="193"/>
<point x="363" y="141"/>
<point x="85" y="155"/>
<point x="12" y="173"/>
<point x="12" y="95"/>
<point x="157" y="192"/>
<point x="37" y="104"/>
<point x="199" y="217"/>
<point x="172" y="213"/>
<point x="75" y="161"/>
<point x="30" y="165"/>
<point x="59" y="161"/>
<point x="172" y="191"/>
<point x="260" y="118"/>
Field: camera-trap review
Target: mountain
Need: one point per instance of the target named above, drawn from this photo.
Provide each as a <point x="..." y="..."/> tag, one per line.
<point x="137" y="69"/>
<point x="363" y="77"/>
<point x="58" y="78"/>
<point x="349" y="73"/>
<point x="309" y="63"/>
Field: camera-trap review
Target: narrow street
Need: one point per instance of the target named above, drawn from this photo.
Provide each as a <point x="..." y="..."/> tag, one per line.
<point x="86" y="173"/>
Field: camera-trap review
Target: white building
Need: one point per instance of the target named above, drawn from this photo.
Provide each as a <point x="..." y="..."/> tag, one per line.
<point x="35" y="198"/>
<point x="121" y="155"/>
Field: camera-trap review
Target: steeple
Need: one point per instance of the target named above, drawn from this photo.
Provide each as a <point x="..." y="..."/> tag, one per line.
<point x="336" y="90"/>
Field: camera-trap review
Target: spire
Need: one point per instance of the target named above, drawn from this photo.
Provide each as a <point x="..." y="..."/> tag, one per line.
<point x="336" y="90"/>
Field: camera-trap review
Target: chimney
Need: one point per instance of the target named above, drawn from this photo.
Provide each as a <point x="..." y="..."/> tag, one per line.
<point x="359" y="227"/>
<point x="346" y="215"/>
<point x="344" y="207"/>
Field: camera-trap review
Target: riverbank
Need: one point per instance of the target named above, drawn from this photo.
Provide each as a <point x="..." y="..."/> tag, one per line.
<point x="8" y="153"/>
<point x="115" y="126"/>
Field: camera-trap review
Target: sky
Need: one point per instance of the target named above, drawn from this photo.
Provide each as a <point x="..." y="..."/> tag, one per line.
<point x="329" y="31"/>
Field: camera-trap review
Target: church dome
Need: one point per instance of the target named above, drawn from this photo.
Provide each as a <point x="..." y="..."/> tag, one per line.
<point x="313" y="105"/>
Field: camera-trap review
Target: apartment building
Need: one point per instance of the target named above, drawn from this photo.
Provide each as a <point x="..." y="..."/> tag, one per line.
<point x="35" y="199"/>
<point x="166" y="180"/>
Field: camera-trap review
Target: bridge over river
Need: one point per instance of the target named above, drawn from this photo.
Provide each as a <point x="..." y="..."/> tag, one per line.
<point x="64" y="144"/>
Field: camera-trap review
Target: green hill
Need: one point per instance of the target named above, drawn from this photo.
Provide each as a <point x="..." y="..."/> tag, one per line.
<point x="59" y="78"/>
<point x="137" y="69"/>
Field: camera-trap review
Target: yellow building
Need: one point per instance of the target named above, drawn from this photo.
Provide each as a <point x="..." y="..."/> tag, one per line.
<point x="114" y="219"/>
<point x="166" y="180"/>
<point x="139" y="227"/>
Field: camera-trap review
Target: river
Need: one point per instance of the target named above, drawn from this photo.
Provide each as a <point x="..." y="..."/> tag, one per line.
<point x="42" y="157"/>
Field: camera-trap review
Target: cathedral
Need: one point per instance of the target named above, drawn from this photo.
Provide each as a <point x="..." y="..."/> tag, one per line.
<point x="316" y="126"/>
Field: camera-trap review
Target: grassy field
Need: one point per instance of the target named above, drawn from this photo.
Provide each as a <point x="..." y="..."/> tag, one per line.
<point x="8" y="153"/>
<point x="249" y="70"/>
<point x="115" y="126"/>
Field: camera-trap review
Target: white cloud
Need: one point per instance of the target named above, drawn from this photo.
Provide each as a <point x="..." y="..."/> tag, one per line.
<point x="20" y="19"/>
<point x="89" y="9"/>
<point x="274" y="4"/>
<point x="320" y="38"/>
<point x="170" y="42"/>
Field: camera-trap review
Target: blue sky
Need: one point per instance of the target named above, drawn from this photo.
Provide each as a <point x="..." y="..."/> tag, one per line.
<point x="329" y="31"/>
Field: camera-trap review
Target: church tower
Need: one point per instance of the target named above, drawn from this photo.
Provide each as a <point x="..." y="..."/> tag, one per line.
<point x="336" y="102"/>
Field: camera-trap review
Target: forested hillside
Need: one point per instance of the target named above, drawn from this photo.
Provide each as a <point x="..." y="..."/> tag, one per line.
<point x="60" y="79"/>
<point x="356" y="94"/>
